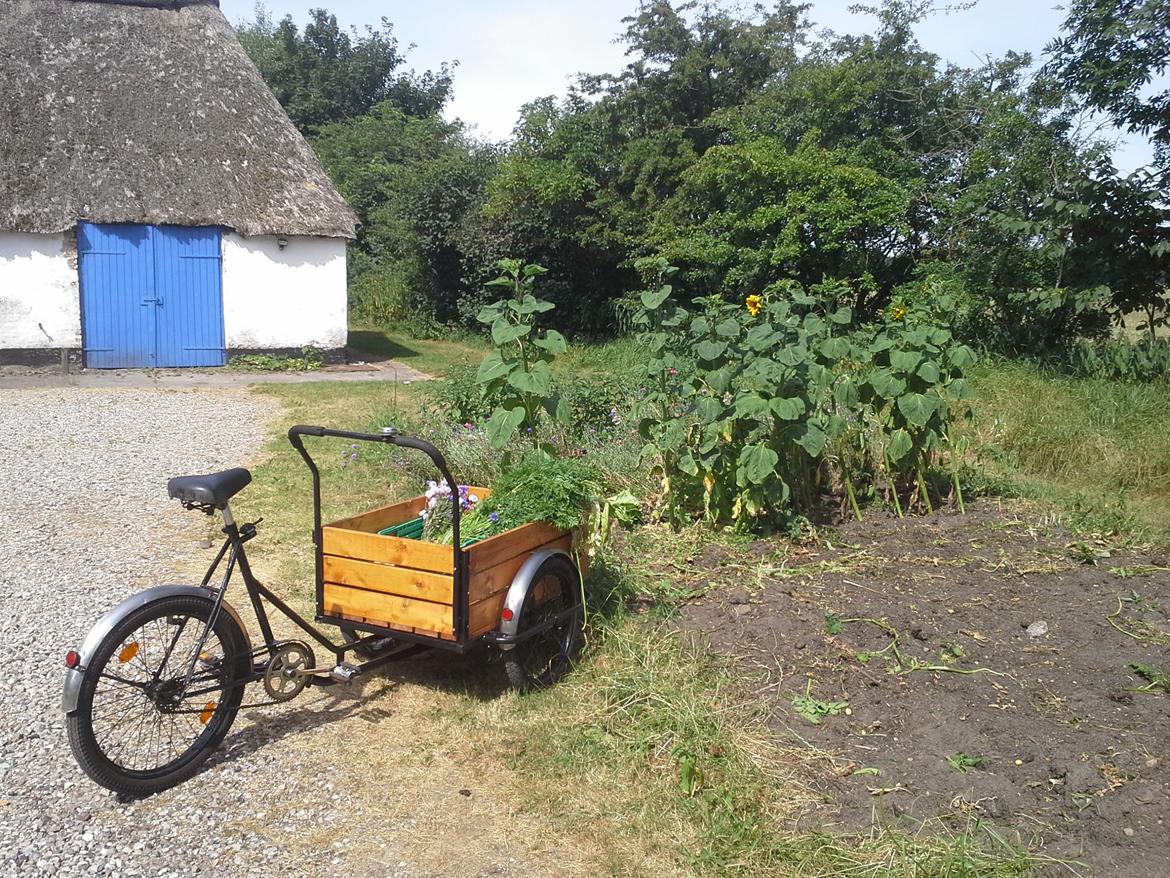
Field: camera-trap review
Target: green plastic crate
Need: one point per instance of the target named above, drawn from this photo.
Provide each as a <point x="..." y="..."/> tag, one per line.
<point x="412" y="530"/>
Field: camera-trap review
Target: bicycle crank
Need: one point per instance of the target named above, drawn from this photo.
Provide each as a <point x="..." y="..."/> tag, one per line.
<point x="289" y="670"/>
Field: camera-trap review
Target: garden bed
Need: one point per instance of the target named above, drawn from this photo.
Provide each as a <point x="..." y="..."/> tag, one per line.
<point x="1043" y="737"/>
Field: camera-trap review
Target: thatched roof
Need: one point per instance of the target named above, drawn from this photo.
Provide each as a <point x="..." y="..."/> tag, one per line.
<point x="148" y="112"/>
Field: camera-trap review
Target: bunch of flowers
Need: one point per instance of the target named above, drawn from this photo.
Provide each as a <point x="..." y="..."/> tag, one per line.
<point x="436" y="513"/>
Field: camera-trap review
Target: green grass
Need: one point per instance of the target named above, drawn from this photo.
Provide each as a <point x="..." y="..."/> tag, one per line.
<point x="1096" y="447"/>
<point x="431" y="356"/>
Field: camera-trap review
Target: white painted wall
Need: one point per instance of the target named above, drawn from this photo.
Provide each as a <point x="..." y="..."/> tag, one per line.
<point x="288" y="298"/>
<point x="39" y="304"/>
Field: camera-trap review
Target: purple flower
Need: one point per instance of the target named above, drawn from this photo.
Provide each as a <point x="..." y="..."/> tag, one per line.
<point x="495" y="516"/>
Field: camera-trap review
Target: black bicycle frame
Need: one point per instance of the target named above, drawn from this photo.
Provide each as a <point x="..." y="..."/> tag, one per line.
<point x="233" y="548"/>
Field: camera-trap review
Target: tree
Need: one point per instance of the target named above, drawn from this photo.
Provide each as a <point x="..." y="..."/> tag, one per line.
<point x="411" y="182"/>
<point x="1111" y="52"/>
<point x="749" y="215"/>
<point x="326" y="74"/>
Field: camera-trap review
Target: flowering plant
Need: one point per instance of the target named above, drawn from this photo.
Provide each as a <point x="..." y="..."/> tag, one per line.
<point x="437" y="511"/>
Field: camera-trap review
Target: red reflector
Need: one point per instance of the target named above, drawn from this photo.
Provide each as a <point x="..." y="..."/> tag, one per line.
<point x="72" y="658"/>
<point x="507" y="614"/>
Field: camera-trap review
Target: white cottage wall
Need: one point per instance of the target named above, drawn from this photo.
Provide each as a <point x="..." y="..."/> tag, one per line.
<point x="284" y="298"/>
<point x="39" y="304"/>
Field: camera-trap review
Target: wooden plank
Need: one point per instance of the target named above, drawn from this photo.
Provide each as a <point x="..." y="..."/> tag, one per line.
<point x="387" y="550"/>
<point x="403" y="581"/>
<point x="485" y="583"/>
<point x="509" y="544"/>
<point x="387" y="609"/>
<point x="403" y="628"/>
<point x="385" y="516"/>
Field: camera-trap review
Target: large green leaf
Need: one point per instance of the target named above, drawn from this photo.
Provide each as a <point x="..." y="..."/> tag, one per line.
<point x="552" y="341"/>
<point x="651" y="299"/>
<point x="719" y="380"/>
<point x="761" y="337"/>
<point x="916" y="407"/>
<point x="788" y="409"/>
<point x="728" y="328"/>
<point x="492" y="367"/>
<point x="504" y="332"/>
<point x="811" y="438"/>
<point x="687" y="464"/>
<point x="928" y="372"/>
<point x="886" y="385"/>
<point x="711" y="350"/>
<point x="490" y="313"/>
<point x="792" y="355"/>
<point x="842" y="315"/>
<point x="503" y="424"/>
<point x="834" y="348"/>
<point x="899" y="445"/>
<point x="961" y="356"/>
<point x="757" y="462"/>
<point x="748" y="405"/>
<point x="709" y="409"/>
<point x="907" y="361"/>
<point x="959" y="388"/>
<point x="846" y="394"/>
<point x="537" y="380"/>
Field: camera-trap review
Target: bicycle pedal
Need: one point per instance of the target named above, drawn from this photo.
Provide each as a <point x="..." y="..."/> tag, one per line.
<point x="344" y="672"/>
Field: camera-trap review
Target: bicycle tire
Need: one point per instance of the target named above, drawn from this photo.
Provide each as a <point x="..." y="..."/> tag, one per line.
<point x="224" y="661"/>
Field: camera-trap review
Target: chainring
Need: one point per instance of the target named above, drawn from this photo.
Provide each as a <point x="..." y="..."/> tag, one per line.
<point x="285" y="676"/>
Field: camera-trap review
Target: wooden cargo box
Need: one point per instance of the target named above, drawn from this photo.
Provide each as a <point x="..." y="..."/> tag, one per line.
<point x="409" y="585"/>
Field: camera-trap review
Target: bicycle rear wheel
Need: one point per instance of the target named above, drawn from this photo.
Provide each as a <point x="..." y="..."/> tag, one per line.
<point x="150" y="711"/>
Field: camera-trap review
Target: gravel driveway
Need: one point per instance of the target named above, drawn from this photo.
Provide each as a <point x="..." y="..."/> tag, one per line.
<point x="345" y="780"/>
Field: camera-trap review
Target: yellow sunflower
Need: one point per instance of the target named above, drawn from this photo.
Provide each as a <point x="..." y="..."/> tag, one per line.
<point x="898" y="312"/>
<point x="754" y="305"/>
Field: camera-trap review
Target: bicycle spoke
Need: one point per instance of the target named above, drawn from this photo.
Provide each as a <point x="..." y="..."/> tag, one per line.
<point x="142" y="719"/>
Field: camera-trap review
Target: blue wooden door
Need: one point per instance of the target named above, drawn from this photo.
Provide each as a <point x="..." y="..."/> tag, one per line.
<point x="150" y="295"/>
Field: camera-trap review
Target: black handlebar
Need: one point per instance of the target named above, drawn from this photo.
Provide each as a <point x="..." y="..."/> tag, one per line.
<point x="387" y="438"/>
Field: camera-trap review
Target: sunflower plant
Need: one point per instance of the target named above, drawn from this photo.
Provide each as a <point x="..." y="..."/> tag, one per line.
<point x="517" y="374"/>
<point x="753" y="409"/>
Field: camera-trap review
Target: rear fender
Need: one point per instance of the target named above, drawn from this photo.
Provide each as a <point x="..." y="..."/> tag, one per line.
<point x="110" y="620"/>
<point x="518" y="590"/>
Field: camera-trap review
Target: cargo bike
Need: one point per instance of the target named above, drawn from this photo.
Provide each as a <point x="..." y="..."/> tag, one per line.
<point x="159" y="679"/>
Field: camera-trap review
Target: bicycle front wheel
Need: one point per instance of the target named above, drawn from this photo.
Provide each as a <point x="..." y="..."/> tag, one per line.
<point x="153" y="704"/>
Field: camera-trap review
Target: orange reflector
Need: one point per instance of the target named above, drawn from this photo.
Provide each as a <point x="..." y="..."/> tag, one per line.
<point x="208" y="710"/>
<point x="128" y="652"/>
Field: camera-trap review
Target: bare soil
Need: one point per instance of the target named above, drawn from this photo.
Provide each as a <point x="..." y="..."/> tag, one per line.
<point x="1068" y="756"/>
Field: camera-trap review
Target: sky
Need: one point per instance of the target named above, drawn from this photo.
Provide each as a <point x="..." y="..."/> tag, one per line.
<point x="512" y="51"/>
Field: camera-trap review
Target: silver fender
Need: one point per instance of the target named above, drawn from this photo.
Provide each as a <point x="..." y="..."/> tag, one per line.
<point x="518" y="590"/>
<point x="107" y="623"/>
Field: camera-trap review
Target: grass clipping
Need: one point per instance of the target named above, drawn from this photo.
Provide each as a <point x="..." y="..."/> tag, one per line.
<point x="648" y="755"/>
